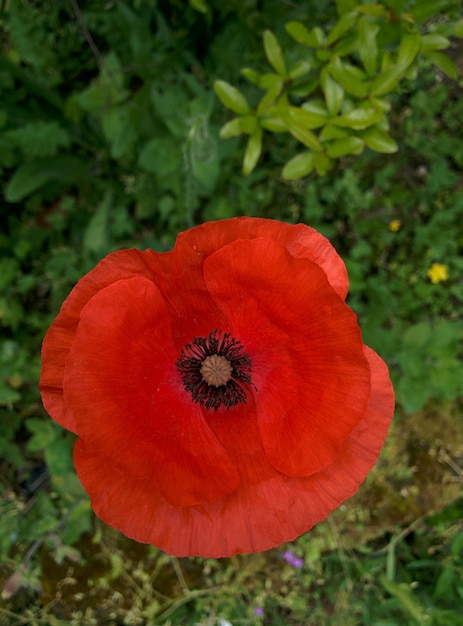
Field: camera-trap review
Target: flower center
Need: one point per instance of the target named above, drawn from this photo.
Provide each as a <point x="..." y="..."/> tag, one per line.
<point x="215" y="370"/>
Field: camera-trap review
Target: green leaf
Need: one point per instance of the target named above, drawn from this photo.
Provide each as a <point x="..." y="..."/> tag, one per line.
<point x="433" y="41"/>
<point x="206" y="170"/>
<point x="268" y="99"/>
<point x="330" y="132"/>
<point x="11" y="314"/>
<point x="251" y="75"/>
<point x="138" y="31"/>
<point x="347" y="46"/>
<point x="43" y="433"/>
<point x="344" y="24"/>
<point x="58" y="457"/>
<point x="444" y="582"/>
<point x="351" y="78"/>
<point x="79" y="520"/>
<point x="270" y="81"/>
<point x="324" y="55"/>
<point x="238" y="126"/>
<point x="373" y="10"/>
<point x="304" y="87"/>
<point x="28" y="178"/>
<point x="8" y="271"/>
<point x="199" y="5"/>
<point x="273" y="53"/>
<point x="378" y="140"/>
<point x="28" y="40"/>
<point x="342" y="147"/>
<point x="160" y="156"/>
<point x="306" y="118"/>
<point x="298" y="32"/>
<point x="457" y="29"/>
<point x="343" y="6"/>
<point x="333" y="92"/>
<point x="298" y="130"/>
<point x="112" y="74"/>
<point x="318" y="107"/>
<point x="387" y="80"/>
<point x="404" y="596"/>
<point x="172" y="107"/>
<point x="299" y="166"/>
<point x="299" y="69"/>
<point x="7" y="394"/>
<point x="358" y="119"/>
<point x="367" y="44"/>
<point x="107" y="90"/>
<point x="408" y="49"/>
<point x="417" y="335"/>
<point x="32" y="175"/>
<point x="444" y="63"/>
<point x="310" y="38"/>
<point x="252" y="152"/>
<point x="119" y="129"/>
<point x="456" y="547"/>
<point x="411" y="394"/>
<point x="231" y="97"/>
<point x="446" y="333"/>
<point x="381" y="104"/>
<point x="39" y="139"/>
<point x="96" y="235"/>
<point x="273" y="122"/>
<point x="423" y="10"/>
<point x="322" y="163"/>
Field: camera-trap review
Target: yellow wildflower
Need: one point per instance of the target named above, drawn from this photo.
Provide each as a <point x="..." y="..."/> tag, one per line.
<point x="438" y="272"/>
<point x="395" y="225"/>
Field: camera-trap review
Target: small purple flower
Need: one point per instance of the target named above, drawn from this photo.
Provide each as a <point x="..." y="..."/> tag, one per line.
<point x="258" y="610"/>
<point x="292" y="559"/>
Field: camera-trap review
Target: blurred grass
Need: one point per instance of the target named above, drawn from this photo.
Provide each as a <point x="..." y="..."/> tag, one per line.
<point x="108" y="139"/>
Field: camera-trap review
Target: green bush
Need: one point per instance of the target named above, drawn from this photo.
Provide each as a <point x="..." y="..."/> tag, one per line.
<point x="334" y="96"/>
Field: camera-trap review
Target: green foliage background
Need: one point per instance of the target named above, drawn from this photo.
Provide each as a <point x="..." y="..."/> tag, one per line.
<point x="110" y="138"/>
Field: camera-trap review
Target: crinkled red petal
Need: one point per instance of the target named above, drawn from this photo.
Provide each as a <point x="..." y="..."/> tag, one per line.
<point x="261" y="514"/>
<point x="300" y="240"/>
<point x="305" y="346"/>
<point x="60" y="336"/>
<point x="128" y="400"/>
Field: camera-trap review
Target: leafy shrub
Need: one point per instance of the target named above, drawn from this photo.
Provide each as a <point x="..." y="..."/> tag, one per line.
<point x="334" y="96"/>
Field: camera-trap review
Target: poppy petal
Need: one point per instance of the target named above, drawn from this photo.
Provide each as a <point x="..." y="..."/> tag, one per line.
<point x="359" y="454"/>
<point x="257" y="517"/>
<point x="300" y="240"/>
<point x="60" y="336"/>
<point x="312" y="377"/>
<point x="180" y="280"/>
<point x="140" y="418"/>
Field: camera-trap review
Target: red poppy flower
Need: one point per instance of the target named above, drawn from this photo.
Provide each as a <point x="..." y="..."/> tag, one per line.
<point x="222" y="396"/>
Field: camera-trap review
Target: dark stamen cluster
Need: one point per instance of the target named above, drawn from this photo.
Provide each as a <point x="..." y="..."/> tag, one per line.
<point x="210" y="395"/>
